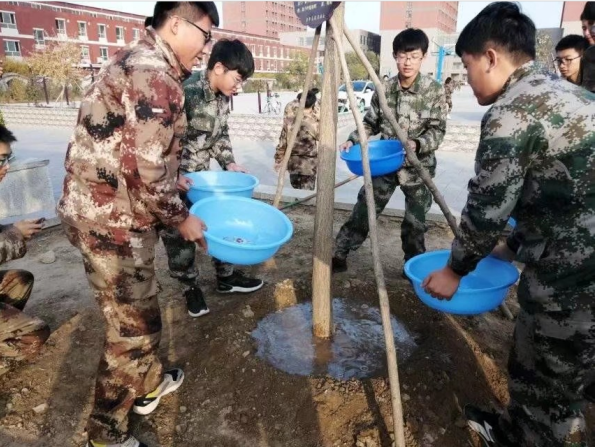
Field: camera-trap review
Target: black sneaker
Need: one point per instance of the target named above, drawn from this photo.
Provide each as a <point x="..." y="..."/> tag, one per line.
<point x="195" y="301"/>
<point x="238" y="282"/>
<point x="487" y="426"/>
<point x="130" y="442"/>
<point x="172" y="380"/>
<point x="339" y="265"/>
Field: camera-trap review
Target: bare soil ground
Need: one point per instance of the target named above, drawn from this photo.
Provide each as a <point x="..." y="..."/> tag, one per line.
<point x="230" y="397"/>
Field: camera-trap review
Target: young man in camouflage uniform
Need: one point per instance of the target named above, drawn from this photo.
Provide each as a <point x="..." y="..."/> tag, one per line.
<point x="419" y="105"/>
<point x="207" y="110"/>
<point x="303" y="162"/>
<point x="21" y="336"/>
<point x="536" y="162"/>
<point x="120" y="186"/>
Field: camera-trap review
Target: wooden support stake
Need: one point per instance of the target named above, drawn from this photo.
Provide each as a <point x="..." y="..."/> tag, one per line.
<point x="325" y="202"/>
<point x="391" y="352"/>
<point x="298" y="119"/>
<point x="311" y="196"/>
<point x="411" y="157"/>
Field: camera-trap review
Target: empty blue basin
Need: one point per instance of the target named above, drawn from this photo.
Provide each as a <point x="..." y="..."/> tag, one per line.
<point x="482" y="290"/>
<point x="386" y="156"/>
<point x="220" y="183"/>
<point x="241" y="230"/>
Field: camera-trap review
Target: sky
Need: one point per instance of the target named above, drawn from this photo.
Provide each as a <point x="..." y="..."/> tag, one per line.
<point x="366" y="15"/>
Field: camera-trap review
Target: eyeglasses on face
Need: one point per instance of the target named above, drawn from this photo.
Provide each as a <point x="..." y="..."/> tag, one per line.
<point x="565" y="60"/>
<point x="5" y="159"/>
<point x="401" y="57"/>
<point x="207" y="35"/>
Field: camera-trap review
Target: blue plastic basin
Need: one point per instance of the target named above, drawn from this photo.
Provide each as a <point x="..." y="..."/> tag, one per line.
<point x="386" y="156"/>
<point x="242" y="231"/>
<point x="480" y="291"/>
<point x="220" y="183"/>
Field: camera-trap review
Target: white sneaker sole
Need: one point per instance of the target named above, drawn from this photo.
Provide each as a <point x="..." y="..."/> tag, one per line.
<point x="242" y="289"/>
<point x="199" y="314"/>
<point x="148" y="409"/>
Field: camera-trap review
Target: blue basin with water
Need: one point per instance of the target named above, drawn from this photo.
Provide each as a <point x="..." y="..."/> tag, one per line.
<point x="220" y="183"/>
<point x="480" y="291"/>
<point x="241" y="230"/>
<point x="386" y="156"/>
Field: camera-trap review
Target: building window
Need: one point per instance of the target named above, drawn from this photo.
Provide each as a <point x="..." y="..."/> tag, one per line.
<point x="274" y="51"/>
<point x="101" y="31"/>
<point x="135" y="34"/>
<point x="82" y="29"/>
<point x="8" y="20"/>
<point x="260" y="50"/>
<point x="103" y="53"/>
<point x="268" y="51"/>
<point x="12" y="48"/>
<point x="120" y="33"/>
<point x="85" y="55"/>
<point x="268" y="65"/>
<point x="39" y="36"/>
<point x="61" y="26"/>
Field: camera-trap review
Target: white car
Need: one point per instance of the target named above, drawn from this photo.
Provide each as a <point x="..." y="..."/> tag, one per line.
<point x="363" y="91"/>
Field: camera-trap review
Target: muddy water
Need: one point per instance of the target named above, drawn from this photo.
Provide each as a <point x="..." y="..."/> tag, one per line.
<point x="356" y="350"/>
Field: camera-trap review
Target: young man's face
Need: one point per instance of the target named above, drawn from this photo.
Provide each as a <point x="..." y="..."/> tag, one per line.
<point x="409" y="63"/>
<point x="569" y="61"/>
<point x="226" y="81"/>
<point x="589" y="31"/>
<point x="191" y="37"/>
<point x="483" y="77"/>
<point x="5" y="153"/>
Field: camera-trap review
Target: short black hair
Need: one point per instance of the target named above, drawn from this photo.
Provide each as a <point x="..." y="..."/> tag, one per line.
<point x="188" y="10"/>
<point x="148" y="21"/>
<point x="573" y="41"/>
<point x="588" y="13"/>
<point x="235" y="55"/>
<point x="411" y="39"/>
<point x="6" y="136"/>
<point x="310" y="97"/>
<point x="503" y="25"/>
<point x="448" y="80"/>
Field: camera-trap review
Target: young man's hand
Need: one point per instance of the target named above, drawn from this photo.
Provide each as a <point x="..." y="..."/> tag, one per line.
<point x="233" y="167"/>
<point x="501" y="251"/>
<point x="345" y="146"/>
<point x="192" y="229"/>
<point x="184" y="183"/>
<point x="4" y="171"/>
<point x="442" y="284"/>
<point x="28" y="227"/>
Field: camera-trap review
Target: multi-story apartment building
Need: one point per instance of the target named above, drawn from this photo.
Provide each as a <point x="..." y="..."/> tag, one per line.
<point x="261" y="18"/>
<point x="28" y="26"/>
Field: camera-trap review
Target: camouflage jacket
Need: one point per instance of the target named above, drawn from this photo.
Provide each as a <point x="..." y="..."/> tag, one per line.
<point x="304" y="155"/>
<point x="536" y="162"/>
<point x="420" y="111"/>
<point x="12" y="244"/>
<point x="449" y="90"/>
<point x="122" y="161"/>
<point x="208" y="135"/>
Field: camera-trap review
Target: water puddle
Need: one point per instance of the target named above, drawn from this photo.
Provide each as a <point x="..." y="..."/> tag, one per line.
<point x="356" y="350"/>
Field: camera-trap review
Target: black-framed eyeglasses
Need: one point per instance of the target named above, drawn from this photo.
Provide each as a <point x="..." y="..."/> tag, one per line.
<point x="566" y="60"/>
<point x="208" y="36"/>
<point x="5" y="159"/>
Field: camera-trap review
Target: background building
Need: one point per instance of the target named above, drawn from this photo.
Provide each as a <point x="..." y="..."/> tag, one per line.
<point x="27" y="26"/>
<point x="261" y="18"/>
<point x="368" y="41"/>
<point x="437" y="19"/>
<point x="571" y="21"/>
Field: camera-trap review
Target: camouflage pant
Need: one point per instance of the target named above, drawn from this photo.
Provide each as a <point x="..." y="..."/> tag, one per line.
<point x="299" y="181"/>
<point x="181" y="254"/>
<point x="418" y="200"/>
<point x="121" y="272"/>
<point x="551" y="369"/>
<point x="21" y="336"/>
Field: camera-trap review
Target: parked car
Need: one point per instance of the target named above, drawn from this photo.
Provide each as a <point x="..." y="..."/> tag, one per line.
<point x="363" y="91"/>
